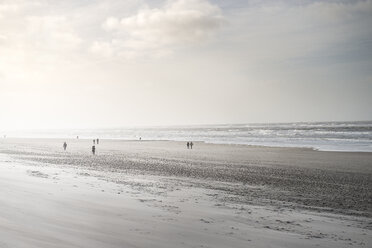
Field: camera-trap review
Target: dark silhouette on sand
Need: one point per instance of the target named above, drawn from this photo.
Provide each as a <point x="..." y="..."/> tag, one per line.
<point x="97" y="141"/>
<point x="64" y="146"/>
<point x="191" y="144"/>
<point x="188" y="145"/>
<point x="94" y="150"/>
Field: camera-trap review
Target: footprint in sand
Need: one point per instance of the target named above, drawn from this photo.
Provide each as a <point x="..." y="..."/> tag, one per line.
<point x="37" y="174"/>
<point x="206" y="221"/>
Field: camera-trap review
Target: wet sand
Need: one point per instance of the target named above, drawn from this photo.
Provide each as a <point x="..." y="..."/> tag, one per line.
<point x="160" y="194"/>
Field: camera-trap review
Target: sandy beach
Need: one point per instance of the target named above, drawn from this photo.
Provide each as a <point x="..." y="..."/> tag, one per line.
<point x="221" y="124"/>
<point x="161" y="194"/>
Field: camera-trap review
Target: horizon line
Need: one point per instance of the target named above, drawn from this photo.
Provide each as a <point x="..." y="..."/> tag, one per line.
<point x="176" y="125"/>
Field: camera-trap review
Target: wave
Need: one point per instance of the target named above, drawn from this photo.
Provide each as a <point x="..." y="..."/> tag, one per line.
<point x="330" y="136"/>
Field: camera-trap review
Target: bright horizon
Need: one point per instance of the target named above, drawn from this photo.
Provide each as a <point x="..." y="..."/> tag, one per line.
<point x="110" y="63"/>
<point x="3" y="132"/>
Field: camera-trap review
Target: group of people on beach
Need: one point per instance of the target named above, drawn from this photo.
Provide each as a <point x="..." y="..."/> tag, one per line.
<point x="94" y="147"/>
<point x="189" y="145"/>
<point x="95" y="141"/>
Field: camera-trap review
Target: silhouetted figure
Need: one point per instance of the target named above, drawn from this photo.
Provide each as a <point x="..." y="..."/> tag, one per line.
<point x="94" y="142"/>
<point x="188" y="145"/>
<point x="140" y="138"/>
<point x="97" y="141"/>
<point x="94" y="150"/>
<point x="77" y="137"/>
<point x="191" y="144"/>
<point x="64" y="146"/>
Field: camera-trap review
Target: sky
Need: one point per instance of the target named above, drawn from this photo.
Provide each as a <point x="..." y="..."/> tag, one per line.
<point x="117" y="63"/>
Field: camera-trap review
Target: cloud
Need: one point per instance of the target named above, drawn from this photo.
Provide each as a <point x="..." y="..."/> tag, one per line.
<point x="7" y="7"/>
<point x="102" y="48"/>
<point x="111" y="23"/>
<point x="177" y="23"/>
<point x="35" y="40"/>
<point x="52" y="32"/>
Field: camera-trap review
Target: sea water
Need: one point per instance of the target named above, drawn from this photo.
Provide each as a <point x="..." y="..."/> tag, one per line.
<point x="330" y="136"/>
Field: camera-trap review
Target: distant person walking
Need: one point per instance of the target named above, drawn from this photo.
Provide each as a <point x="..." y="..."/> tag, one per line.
<point x="97" y="141"/>
<point x="94" y="150"/>
<point x="94" y="142"/>
<point x="191" y="144"/>
<point x="188" y="145"/>
<point x="64" y="146"/>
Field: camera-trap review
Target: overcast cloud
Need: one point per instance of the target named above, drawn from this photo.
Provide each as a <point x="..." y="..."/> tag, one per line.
<point x="78" y="63"/>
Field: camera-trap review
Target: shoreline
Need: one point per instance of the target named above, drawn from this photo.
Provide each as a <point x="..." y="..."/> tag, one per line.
<point x="181" y="141"/>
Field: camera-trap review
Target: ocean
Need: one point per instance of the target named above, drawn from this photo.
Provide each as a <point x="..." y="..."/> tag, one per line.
<point x="327" y="136"/>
